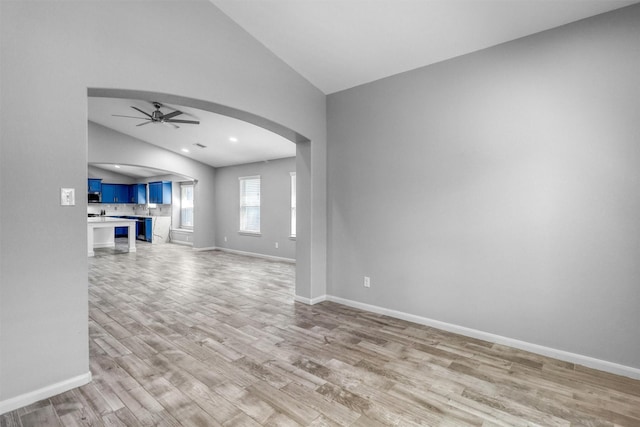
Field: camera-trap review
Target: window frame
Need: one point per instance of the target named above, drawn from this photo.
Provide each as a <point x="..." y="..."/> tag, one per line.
<point x="183" y="185"/>
<point x="242" y="223"/>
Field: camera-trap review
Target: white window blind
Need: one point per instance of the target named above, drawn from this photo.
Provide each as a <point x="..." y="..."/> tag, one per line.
<point x="293" y="204"/>
<point x="186" y="205"/>
<point x="250" y="204"/>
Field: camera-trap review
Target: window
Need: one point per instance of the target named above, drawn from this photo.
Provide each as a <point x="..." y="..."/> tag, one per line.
<point x="186" y="205"/>
<point x="250" y="204"/>
<point x="293" y="204"/>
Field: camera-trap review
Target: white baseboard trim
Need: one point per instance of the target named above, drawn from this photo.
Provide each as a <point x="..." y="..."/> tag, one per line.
<point x="257" y="255"/>
<point x="44" y="393"/>
<point x="578" y="359"/>
<point x="104" y="245"/>
<point x="183" y="243"/>
<point x="310" y="301"/>
<point x="211" y="248"/>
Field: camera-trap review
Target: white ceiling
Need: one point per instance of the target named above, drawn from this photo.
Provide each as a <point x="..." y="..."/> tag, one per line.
<point x="253" y="143"/>
<point x="133" y="171"/>
<point x="339" y="44"/>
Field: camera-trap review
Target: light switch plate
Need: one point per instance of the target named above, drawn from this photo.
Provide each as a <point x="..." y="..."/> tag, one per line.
<point x="68" y="196"/>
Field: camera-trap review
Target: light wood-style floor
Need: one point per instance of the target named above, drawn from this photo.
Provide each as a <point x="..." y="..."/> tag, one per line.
<point x="184" y="338"/>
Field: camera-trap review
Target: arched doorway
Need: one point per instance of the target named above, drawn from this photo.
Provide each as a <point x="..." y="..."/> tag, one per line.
<point x="303" y="153"/>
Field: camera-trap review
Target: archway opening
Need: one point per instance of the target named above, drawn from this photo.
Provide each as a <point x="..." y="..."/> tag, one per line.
<point x="302" y="155"/>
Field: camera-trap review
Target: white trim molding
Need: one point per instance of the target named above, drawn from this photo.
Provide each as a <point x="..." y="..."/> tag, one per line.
<point x="44" y="393"/>
<point x="104" y="245"/>
<point x="210" y="248"/>
<point x="578" y="359"/>
<point x="310" y="301"/>
<point x="257" y="255"/>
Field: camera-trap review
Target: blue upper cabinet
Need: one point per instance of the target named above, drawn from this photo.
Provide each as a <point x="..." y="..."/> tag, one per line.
<point x="123" y="194"/>
<point x="138" y="194"/>
<point x="115" y="193"/>
<point x="95" y="185"/>
<point x="160" y="192"/>
<point x="109" y="193"/>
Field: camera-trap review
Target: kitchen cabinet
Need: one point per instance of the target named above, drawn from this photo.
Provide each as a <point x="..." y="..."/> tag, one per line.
<point x="122" y="232"/>
<point x="148" y="229"/>
<point x="143" y="228"/>
<point x="138" y="194"/>
<point x="160" y="192"/>
<point x="95" y="185"/>
<point x="108" y="193"/>
<point x="115" y="193"/>
<point x="123" y="193"/>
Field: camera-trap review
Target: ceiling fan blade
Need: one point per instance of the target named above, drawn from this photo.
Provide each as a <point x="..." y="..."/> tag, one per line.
<point x="143" y="112"/>
<point x="170" y="124"/>
<point x="131" y="117"/>
<point x="172" y="114"/>
<point x="145" y="123"/>
<point x="191" y="122"/>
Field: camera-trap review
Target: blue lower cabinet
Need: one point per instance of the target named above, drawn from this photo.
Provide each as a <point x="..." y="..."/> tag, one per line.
<point x="148" y="229"/>
<point x="122" y="231"/>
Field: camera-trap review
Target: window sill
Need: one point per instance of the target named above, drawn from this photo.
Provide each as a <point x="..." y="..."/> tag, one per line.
<point x="183" y="230"/>
<point x="250" y="233"/>
<point x="292" y="237"/>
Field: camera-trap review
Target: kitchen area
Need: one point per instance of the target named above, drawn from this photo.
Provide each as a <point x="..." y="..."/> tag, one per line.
<point x="139" y="212"/>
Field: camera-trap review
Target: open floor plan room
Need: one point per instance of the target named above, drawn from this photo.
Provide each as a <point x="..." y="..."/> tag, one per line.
<point x="208" y="338"/>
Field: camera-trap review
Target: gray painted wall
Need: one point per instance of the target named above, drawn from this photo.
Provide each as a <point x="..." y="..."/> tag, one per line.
<point x="499" y="190"/>
<point x="51" y="52"/>
<point x="274" y="208"/>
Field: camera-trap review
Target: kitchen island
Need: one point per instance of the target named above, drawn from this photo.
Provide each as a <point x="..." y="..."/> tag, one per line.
<point x="152" y="229"/>
<point x="100" y="223"/>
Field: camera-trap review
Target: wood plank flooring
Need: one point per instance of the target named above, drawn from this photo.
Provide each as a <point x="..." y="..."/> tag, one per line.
<point x="184" y="338"/>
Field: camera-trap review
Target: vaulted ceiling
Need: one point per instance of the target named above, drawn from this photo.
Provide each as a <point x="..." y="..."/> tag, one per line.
<point x="339" y="44"/>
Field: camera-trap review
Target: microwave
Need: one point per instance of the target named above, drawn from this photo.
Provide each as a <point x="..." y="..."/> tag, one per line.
<point x="95" y="198"/>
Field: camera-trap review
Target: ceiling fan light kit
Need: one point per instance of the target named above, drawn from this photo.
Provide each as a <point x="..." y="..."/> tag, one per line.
<point x="158" y="116"/>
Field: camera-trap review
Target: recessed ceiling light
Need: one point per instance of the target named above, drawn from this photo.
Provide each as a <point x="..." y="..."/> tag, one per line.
<point x="186" y="150"/>
<point x="116" y="166"/>
<point x="233" y="139"/>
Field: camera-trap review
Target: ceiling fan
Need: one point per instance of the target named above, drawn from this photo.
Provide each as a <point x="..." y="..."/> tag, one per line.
<point x="158" y="116"/>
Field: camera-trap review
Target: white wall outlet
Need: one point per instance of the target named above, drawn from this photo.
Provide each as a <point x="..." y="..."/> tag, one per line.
<point x="367" y="282"/>
<point x="276" y="245"/>
<point x="67" y="196"/>
<point x="225" y="238"/>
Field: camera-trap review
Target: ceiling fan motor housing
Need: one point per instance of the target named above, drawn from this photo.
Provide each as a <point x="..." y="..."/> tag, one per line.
<point x="157" y="116"/>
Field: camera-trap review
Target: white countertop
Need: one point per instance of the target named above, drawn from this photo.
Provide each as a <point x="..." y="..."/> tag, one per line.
<point x="107" y="219"/>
